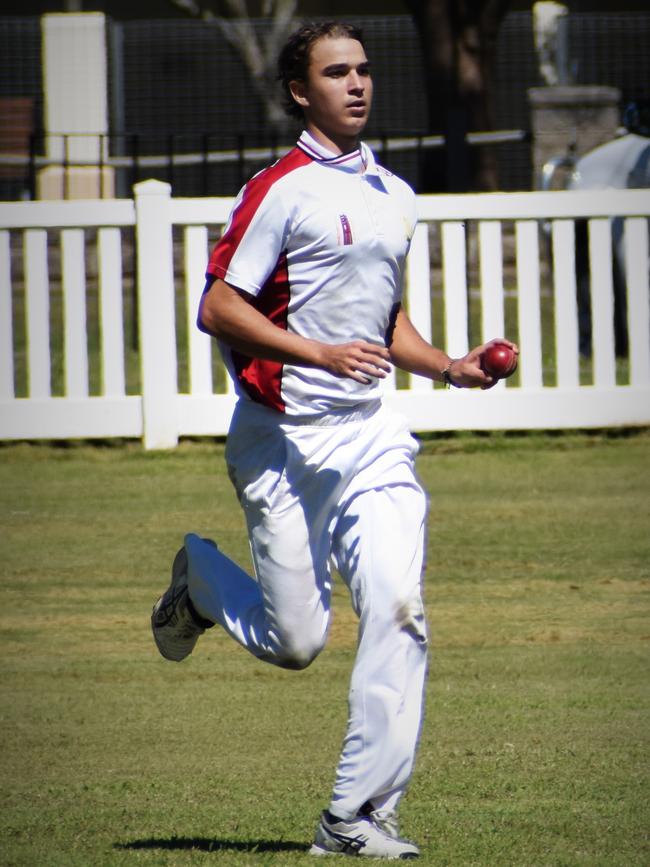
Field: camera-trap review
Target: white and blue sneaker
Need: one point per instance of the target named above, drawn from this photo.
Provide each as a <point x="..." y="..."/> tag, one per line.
<point x="175" y="623"/>
<point x="374" y="835"/>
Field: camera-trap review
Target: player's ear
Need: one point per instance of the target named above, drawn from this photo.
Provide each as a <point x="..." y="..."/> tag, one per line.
<point x="298" y="90"/>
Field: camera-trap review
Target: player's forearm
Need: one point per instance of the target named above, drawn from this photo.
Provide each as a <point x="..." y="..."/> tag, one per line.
<point x="227" y="316"/>
<point x="409" y="351"/>
<point x="263" y="339"/>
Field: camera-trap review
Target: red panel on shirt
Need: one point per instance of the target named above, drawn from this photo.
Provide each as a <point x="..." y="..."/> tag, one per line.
<point x="262" y="378"/>
<point x="253" y="196"/>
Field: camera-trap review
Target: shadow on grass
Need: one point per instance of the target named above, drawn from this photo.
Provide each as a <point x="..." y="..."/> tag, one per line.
<point x="205" y="844"/>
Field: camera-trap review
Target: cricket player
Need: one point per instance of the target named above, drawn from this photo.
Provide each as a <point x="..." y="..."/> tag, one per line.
<point x="304" y="295"/>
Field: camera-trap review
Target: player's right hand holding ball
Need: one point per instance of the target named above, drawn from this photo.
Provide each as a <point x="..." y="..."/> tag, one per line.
<point x="485" y="365"/>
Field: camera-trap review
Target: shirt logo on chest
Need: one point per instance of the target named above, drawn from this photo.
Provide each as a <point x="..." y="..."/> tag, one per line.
<point x="346" y="229"/>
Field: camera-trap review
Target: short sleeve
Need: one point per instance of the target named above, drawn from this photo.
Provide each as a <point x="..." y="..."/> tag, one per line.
<point x="254" y="238"/>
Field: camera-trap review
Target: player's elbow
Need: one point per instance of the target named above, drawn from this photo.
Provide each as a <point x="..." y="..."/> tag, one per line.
<point x="203" y="325"/>
<point x="206" y="321"/>
<point x="221" y="311"/>
<point x="210" y="318"/>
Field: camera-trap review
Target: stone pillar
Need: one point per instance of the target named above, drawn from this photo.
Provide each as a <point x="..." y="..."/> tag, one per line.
<point x="570" y="120"/>
<point x="76" y="107"/>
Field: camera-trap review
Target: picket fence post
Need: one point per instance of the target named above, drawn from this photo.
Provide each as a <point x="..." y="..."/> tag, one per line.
<point x="157" y="326"/>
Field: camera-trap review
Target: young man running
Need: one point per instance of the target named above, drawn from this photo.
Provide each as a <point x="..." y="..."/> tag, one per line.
<point x="304" y="295"/>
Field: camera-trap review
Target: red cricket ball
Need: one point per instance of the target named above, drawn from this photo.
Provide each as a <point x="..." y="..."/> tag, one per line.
<point x="499" y="361"/>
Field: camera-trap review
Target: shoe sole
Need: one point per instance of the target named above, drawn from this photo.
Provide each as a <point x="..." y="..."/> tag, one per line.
<point x="165" y="652"/>
<point x="405" y="856"/>
<point x="179" y="568"/>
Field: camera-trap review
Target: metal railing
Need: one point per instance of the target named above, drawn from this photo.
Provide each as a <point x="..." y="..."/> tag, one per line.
<point x="120" y="161"/>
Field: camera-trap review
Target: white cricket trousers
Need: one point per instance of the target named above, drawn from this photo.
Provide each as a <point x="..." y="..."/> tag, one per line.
<point x="341" y="491"/>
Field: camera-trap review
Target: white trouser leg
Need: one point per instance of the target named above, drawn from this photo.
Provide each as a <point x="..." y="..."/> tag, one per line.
<point x="283" y="616"/>
<point x="379" y="550"/>
<point x="349" y="491"/>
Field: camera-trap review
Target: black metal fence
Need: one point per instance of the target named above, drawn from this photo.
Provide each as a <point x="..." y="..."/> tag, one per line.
<point x="193" y="165"/>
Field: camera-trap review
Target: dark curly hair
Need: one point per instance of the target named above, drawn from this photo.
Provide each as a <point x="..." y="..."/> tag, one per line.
<point x="294" y="57"/>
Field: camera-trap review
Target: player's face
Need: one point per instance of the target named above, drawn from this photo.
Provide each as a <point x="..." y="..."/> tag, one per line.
<point x="337" y="95"/>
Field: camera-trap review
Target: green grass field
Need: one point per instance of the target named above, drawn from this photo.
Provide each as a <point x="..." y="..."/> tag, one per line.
<point x="535" y="745"/>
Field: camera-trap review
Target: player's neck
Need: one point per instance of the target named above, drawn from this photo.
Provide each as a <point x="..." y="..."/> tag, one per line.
<point x="336" y="144"/>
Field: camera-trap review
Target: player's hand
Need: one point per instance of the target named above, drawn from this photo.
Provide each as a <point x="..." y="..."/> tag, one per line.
<point x="466" y="372"/>
<point x="358" y="360"/>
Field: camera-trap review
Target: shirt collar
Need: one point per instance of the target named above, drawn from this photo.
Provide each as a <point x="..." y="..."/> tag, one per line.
<point x="359" y="161"/>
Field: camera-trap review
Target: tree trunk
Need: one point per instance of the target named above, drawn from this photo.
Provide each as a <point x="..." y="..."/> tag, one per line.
<point x="458" y="39"/>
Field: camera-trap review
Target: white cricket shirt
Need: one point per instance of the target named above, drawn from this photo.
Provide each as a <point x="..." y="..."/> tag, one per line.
<point x="319" y="243"/>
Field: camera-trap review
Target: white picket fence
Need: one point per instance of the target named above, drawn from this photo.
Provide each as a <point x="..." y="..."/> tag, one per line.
<point x="172" y="240"/>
